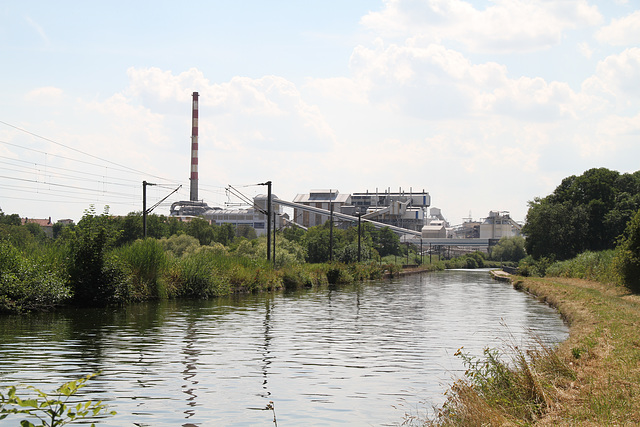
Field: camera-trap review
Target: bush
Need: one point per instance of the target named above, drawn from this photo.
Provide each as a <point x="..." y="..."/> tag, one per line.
<point x="531" y="267"/>
<point x="27" y="284"/>
<point x="598" y="266"/>
<point x="338" y="274"/>
<point x="54" y="409"/>
<point x="95" y="280"/>
<point x="196" y="275"/>
<point x="179" y="244"/>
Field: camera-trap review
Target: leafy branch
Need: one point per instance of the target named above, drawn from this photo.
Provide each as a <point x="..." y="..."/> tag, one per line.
<point x="52" y="410"/>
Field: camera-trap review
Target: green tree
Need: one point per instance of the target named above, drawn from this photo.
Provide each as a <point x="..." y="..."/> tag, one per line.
<point x="586" y="212"/>
<point x="316" y="241"/>
<point x="627" y="259"/>
<point x="201" y="230"/>
<point x="509" y="249"/>
<point x="224" y="233"/>
<point x="294" y="234"/>
<point x="246" y="231"/>
<point x="96" y="279"/>
<point x="130" y="227"/>
<point x="36" y="231"/>
<point x="13" y="219"/>
<point x="387" y="242"/>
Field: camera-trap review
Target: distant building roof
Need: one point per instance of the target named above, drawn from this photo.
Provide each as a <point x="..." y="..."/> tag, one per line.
<point x="40" y="221"/>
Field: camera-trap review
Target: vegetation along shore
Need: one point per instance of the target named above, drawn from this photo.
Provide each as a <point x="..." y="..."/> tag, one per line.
<point x="104" y="260"/>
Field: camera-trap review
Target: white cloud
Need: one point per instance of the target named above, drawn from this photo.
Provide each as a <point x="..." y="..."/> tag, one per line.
<point x="244" y="113"/>
<point x="48" y="94"/>
<point x="427" y="81"/>
<point x="505" y="26"/>
<point x="432" y="83"/>
<point x="585" y="50"/>
<point x="616" y="77"/>
<point x="614" y="127"/>
<point x="533" y="99"/>
<point x="130" y="122"/>
<point x="621" y="32"/>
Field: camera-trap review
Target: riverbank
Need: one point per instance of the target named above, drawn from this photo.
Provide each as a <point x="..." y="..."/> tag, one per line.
<point x="603" y="350"/>
<point x="593" y="378"/>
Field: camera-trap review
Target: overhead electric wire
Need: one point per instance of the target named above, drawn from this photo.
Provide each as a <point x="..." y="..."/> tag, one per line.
<point x="53" y="174"/>
<point x="65" y="186"/>
<point x="70" y="201"/>
<point x="80" y="151"/>
<point x="48" y="166"/>
<point x="69" y="158"/>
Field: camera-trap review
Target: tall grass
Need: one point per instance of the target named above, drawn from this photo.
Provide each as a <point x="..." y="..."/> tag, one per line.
<point x="597" y="266"/>
<point x="147" y="262"/>
<point x="514" y="387"/>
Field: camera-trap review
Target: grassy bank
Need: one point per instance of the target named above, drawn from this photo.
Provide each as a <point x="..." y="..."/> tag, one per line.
<point x="593" y="378"/>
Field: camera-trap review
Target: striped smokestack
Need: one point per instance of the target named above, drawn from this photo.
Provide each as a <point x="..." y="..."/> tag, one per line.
<point x="194" y="149"/>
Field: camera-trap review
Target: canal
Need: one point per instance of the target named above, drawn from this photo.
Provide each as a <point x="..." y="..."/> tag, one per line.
<point x="355" y="355"/>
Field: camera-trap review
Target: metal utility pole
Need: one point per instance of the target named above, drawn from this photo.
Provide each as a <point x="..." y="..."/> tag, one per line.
<point x="145" y="211"/>
<point x="268" y="184"/>
<point x="359" y="232"/>
<point x="331" y="227"/>
<point x="144" y="207"/>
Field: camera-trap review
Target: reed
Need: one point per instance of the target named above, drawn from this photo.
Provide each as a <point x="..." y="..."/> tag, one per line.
<point x="147" y="263"/>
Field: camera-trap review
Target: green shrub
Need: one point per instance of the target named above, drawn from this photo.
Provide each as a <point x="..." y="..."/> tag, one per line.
<point x="95" y="280"/>
<point x="27" y="284"/>
<point x="179" y="244"/>
<point x="528" y="266"/>
<point x="598" y="266"/>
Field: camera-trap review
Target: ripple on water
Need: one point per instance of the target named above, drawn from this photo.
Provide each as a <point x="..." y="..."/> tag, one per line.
<point x="359" y="355"/>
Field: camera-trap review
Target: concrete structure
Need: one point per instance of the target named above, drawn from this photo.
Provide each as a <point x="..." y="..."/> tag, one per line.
<point x="193" y="191"/>
<point x="251" y="217"/>
<point x="498" y="225"/>
<point x="435" y="230"/>
<point x="402" y="209"/>
<point x="322" y="199"/>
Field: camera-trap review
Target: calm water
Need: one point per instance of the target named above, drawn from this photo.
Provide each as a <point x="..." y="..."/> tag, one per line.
<point x="359" y="355"/>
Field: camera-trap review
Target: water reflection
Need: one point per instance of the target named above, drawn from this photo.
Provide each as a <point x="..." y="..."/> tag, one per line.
<point x="349" y="355"/>
<point x="190" y="361"/>
<point x="266" y="353"/>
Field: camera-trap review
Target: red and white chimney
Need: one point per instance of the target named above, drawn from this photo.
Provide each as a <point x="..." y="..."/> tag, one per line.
<point x="194" y="149"/>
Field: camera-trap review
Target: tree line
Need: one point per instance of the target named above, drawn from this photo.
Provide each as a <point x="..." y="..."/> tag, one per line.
<point x="596" y="211"/>
<point x="103" y="259"/>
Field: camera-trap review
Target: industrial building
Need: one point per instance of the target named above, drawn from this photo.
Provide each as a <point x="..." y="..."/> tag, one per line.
<point x="323" y="199"/>
<point x="406" y="210"/>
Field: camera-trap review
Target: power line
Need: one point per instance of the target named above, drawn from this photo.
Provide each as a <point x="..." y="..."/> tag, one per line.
<point x="63" y="185"/>
<point x="80" y="151"/>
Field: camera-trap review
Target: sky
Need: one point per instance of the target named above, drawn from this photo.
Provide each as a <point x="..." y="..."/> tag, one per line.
<point x="486" y="105"/>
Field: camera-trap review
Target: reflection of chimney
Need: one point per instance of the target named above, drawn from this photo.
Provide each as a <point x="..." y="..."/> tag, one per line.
<point x="194" y="149"/>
